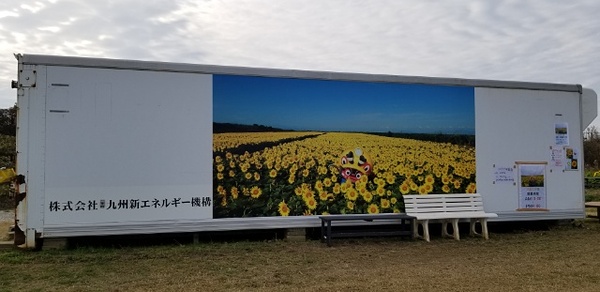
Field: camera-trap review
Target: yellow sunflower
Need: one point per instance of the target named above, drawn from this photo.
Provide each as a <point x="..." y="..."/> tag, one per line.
<point x="283" y="209"/>
<point x="373" y="209"/>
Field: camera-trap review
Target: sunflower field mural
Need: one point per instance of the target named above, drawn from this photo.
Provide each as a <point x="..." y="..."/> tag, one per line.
<point x="293" y="147"/>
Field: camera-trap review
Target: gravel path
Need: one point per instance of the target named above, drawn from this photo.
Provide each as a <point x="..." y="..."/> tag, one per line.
<point x="7" y="215"/>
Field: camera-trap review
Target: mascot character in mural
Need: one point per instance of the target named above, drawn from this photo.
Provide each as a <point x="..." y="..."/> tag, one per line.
<point x="354" y="164"/>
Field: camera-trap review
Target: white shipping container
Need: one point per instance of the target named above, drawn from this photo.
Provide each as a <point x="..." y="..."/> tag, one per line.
<point x="111" y="147"/>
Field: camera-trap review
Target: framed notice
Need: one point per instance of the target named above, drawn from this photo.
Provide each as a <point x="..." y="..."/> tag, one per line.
<point x="532" y="186"/>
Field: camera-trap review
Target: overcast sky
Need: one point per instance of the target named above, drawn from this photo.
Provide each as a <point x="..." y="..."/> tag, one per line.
<point x="540" y="41"/>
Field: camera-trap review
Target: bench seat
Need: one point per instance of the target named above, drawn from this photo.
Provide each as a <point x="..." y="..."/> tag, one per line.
<point x="448" y="209"/>
<point x="406" y="223"/>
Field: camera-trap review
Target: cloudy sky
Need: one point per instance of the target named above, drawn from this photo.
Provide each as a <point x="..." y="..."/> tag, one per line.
<point x="530" y="40"/>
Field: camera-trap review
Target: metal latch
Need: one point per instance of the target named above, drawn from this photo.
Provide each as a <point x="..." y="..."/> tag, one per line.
<point x="27" y="78"/>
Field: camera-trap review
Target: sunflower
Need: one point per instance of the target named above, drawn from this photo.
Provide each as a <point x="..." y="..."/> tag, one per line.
<point x="323" y="195"/>
<point x="429" y="179"/>
<point x="368" y="197"/>
<point x="363" y="190"/>
<point x="319" y="185"/>
<point x="390" y="178"/>
<point x="456" y="184"/>
<point x="446" y="189"/>
<point x="364" y="179"/>
<point x="445" y="179"/>
<point x="235" y="192"/>
<point x="471" y="188"/>
<point x="305" y="172"/>
<point x="352" y="194"/>
<point x="311" y="204"/>
<point x="327" y="182"/>
<point x="337" y="189"/>
<point x="413" y="186"/>
<point x="373" y="209"/>
<point x="273" y="173"/>
<point x="283" y="209"/>
<point x="350" y="205"/>
<point x="404" y="188"/>
<point x="255" y="192"/>
<point x="428" y="188"/>
<point x="385" y="203"/>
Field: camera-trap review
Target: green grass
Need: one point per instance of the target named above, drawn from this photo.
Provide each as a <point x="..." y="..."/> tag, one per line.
<point x="562" y="258"/>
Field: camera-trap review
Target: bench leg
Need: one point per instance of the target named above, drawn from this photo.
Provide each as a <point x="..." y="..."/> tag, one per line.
<point x="445" y="228"/>
<point x="322" y="231"/>
<point x="484" y="229"/>
<point x="328" y="233"/>
<point x="473" y="231"/>
<point x="425" y="224"/>
<point x="415" y="227"/>
<point x="455" y="232"/>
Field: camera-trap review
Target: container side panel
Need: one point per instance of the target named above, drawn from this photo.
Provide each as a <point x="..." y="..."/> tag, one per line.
<point x="524" y="136"/>
<point x="31" y="149"/>
<point x="127" y="146"/>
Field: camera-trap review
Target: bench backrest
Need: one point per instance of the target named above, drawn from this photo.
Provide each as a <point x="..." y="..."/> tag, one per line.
<point x="443" y="203"/>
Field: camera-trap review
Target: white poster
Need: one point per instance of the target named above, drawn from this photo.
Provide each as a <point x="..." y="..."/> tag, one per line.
<point x="561" y="131"/>
<point x="504" y="174"/>
<point x="557" y="156"/>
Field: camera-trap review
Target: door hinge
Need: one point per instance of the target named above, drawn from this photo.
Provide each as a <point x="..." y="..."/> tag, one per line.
<point x="27" y="78"/>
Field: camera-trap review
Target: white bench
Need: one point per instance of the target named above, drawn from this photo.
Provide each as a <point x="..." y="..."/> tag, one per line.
<point x="448" y="208"/>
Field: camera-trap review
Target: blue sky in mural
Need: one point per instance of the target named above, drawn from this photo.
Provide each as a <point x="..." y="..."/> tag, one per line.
<point x="323" y="105"/>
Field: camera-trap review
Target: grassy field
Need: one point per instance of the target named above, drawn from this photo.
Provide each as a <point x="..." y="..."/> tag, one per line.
<point x="562" y="258"/>
<point x="525" y="258"/>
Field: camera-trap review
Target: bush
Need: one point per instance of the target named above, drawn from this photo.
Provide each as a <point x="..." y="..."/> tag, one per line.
<point x="6" y="197"/>
<point x="591" y="148"/>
